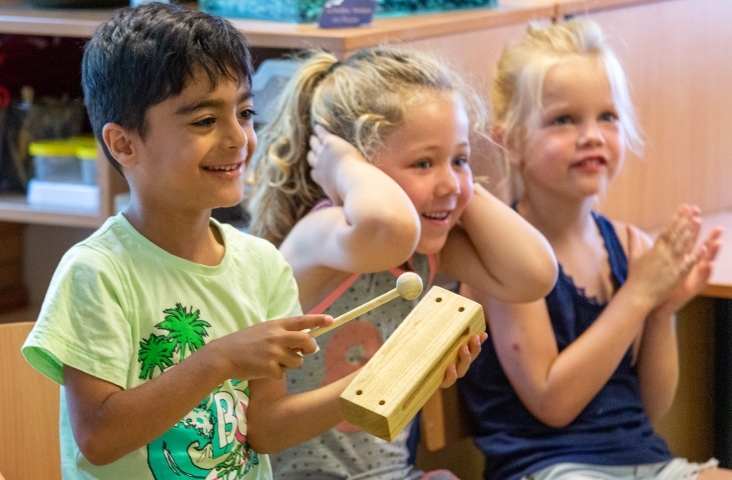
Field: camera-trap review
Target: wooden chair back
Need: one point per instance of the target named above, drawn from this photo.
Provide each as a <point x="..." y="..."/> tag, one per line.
<point x="29" y="413"/>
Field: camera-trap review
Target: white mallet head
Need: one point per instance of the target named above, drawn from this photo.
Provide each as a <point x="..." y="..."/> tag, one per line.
<point x="409" y="285"/>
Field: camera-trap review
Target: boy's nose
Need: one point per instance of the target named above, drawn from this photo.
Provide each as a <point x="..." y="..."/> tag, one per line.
<point x="236" y="135"/>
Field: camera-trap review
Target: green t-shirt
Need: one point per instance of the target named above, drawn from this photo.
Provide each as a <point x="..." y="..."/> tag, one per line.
<point x="124" y="310"/>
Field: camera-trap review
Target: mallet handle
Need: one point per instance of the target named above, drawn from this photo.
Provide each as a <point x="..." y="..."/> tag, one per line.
<point x="356" y="312"/>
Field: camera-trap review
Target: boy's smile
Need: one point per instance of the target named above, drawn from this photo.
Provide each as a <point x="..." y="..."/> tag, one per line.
<point x="196" y="147"/>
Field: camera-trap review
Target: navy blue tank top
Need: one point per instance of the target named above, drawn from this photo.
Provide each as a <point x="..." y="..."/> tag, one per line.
<point x="612" y="430"/>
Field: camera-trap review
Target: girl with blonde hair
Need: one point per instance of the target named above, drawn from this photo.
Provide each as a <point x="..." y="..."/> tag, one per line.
<point x="569" y="384"/>
<point x="365" y="174"/>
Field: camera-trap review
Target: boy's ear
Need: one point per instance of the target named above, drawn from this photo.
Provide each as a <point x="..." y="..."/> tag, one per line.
<point x="120" y="143"/>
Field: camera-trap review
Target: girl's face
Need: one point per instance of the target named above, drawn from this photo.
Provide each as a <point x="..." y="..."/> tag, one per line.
<point x="577" y="147"/>
<point x="428" y="157"/>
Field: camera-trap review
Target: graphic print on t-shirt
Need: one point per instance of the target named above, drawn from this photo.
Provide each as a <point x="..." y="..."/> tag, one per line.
<point x="209" y="442"/>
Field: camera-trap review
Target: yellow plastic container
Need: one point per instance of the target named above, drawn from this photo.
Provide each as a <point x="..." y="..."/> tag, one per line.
<point x="87" y="155"/>
<point x="55" y="161"/>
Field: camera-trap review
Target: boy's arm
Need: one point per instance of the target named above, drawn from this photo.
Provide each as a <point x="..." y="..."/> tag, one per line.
<point x="109" y="422"/>
<point x="499" y="251"/>
<point x="276" y="421"/>
<point x="372" y="226"/>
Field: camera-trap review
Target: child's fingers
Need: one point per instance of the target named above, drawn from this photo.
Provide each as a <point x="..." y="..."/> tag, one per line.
<point x="305" y="322"/>
<point x="713" y="243"/>
<point x="320" y="130"/>
<point x="450" y="376"/>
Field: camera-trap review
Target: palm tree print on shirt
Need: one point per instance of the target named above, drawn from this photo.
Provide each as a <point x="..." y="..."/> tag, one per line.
<point x="185" y="332"/>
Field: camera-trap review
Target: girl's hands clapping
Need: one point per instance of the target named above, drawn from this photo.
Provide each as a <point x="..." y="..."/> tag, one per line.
<point x="697" y="278"/>
<point x="669" y="262"/>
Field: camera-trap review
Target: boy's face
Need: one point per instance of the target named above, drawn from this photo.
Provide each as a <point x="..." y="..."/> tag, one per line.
<point x="196" y="147"/>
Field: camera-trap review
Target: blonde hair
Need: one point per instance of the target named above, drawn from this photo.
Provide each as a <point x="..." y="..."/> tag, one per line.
<point x="362" y="100"/>
<point x="519" y="78"/>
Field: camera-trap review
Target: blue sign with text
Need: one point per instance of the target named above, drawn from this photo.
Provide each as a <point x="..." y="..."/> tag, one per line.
<point x="347" y="13"/>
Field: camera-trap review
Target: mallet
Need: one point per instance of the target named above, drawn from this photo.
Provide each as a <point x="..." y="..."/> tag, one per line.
<point x="408" y="286"/>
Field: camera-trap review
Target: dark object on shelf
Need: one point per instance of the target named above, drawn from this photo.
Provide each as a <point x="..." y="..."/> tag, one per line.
<point x="78" y="3"/>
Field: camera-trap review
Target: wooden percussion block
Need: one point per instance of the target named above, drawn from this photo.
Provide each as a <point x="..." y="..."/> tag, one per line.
<point x="407" y="369"/>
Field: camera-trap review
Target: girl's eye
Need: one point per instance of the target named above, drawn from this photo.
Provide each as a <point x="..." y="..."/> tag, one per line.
<point x="562" y="120"/>
<point x="608" y="117"/>
<point x="248" y="113"/>
<point x="460" y="161"/>
<point x="423" y="164"/>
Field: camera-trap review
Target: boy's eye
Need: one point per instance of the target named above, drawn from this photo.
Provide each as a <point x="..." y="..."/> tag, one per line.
<point x="206" y="122"/>
<point x="248" y="113"/>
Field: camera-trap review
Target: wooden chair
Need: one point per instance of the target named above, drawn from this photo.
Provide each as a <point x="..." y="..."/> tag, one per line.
<point x="446" y="440"/>
<point x="29" y="413"/>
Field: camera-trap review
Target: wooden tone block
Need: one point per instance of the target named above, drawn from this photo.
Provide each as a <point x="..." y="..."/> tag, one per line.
<point x="410" y="365"/>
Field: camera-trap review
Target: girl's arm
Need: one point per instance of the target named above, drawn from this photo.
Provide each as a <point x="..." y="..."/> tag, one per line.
<point x="658" y="356"/>
<point x="555" y="387"/>
<point x="499" y="251"/>
<point x="373" y="225"/>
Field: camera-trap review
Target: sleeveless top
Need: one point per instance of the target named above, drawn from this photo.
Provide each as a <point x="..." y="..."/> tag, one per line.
<point x="613" y="429"/>
<point x="345" y="452"/>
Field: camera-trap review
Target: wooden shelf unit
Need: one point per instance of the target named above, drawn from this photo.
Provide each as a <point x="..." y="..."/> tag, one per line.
<point x="18" y="18"/>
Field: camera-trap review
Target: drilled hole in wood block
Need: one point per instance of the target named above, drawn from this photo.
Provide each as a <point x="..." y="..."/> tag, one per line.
<point x="381" y="402"/>
<point x="359" y="392"/>
<point x="438" y="299"/>
<point x="461" y="309"/>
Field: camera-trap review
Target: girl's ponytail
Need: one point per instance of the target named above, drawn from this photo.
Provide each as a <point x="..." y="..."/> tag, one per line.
<point x="282" y="191"/>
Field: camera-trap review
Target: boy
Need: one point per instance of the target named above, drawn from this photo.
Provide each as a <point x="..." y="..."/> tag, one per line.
<point x="155" y="324"/>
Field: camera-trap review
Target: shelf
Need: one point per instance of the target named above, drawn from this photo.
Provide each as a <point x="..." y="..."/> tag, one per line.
<point x="20" y="315"/>
<point x="15" y="208"/>
<point x="17" y="18"/>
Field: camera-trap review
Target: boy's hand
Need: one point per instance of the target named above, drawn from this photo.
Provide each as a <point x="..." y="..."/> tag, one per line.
<point x="267" y="349"/>
<point x="327" y="153"/>
<point x="663" y="267"/>
<point x="466" y="354"/>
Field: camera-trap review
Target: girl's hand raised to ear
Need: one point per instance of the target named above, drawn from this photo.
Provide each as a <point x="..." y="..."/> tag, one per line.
<point x="328" y="154"/>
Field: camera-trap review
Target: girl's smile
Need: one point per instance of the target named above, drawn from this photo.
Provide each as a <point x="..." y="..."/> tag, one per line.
<point x="428" y="157"/>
